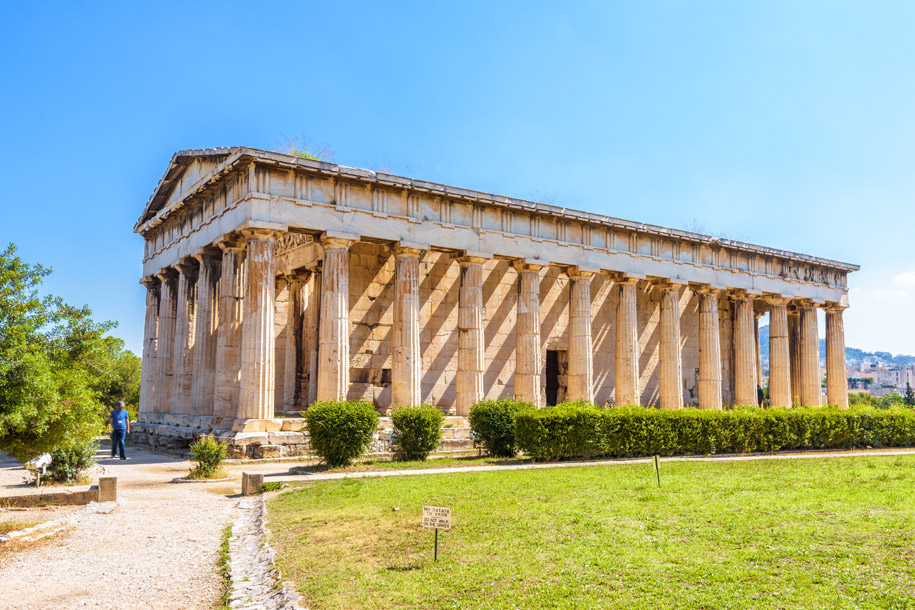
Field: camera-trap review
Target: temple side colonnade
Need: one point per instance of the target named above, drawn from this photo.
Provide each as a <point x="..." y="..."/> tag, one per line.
<point x="273" y="282"/>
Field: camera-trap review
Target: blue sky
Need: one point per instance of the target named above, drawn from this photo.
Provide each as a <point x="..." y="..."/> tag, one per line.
<point x="787" y="124"/>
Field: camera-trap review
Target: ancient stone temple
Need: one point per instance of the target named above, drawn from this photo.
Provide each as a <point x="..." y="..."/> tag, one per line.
<point x="275" y="281"/>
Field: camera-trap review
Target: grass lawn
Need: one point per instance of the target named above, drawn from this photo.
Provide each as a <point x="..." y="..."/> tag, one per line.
<point x="831" y="533"/>
<point x="390" y="464"/>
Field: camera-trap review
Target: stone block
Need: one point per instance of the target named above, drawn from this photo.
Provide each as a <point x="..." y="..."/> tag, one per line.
<point x="286" y="438"/>
<point x="107" y="489"/>
<point x="257" y="425"/>
<point x="250" y="438"/>
<point x="268" y="451"/>
<point x="251" y="483"/>
<point x="293" y="424"/>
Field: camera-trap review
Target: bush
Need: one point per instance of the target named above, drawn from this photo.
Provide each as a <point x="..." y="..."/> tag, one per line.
<point x="208" y="456"/>
<point x="67" y="463"/>
<point x="418" y="429"/>
<point x="493" y="422"/>
<point x="341" y="430"/>
<point x="568" y="431"/>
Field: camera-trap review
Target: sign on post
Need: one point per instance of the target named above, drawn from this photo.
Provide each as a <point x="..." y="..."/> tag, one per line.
<point x="437" y="518"/>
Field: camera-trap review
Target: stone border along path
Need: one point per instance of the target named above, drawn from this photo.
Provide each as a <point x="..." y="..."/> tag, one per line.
<point x="286" y="477"/>
<point x="47" y="528"/>
<point x="255" y="583"/>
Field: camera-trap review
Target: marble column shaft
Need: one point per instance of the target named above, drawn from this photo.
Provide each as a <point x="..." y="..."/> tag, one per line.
<point x="794" y="350"/>
<point x="298" y="301"/>
<point x="836" y="374"/>
<point x="810" y="357"/>
<point x="406" y="373"/>
<point x="310" y="336"/>
<point x="779" y="355"/>
<point x="166" y="340"/>
<point x="149" y="370"/>
<point x="333" y="340"/>
<point x="581" y="356"/>
<point x="258" y="366"/>
<point x="227" y="386"/>
<point x="471" y="351"/>
<point x="628" y="391"/>
<point x="528" y="362"/>
<point x="744" y="352"/>
<point x="185" y="326"/>
<point x="758" y="357"/>
<point x="207" y="321"/>
<point x="671" y="364"/>
<point x="709" y="351"/>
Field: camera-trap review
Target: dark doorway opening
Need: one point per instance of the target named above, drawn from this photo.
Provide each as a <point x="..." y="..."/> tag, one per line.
<point x="552" y="377"/>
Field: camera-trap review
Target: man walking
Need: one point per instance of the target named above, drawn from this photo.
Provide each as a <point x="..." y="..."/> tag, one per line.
<point x="120" y="428"/>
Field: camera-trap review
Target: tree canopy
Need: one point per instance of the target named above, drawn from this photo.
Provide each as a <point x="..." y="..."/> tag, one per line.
<point x="58" y="372"/>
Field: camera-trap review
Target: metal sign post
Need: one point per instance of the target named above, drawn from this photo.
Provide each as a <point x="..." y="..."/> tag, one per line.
<point x="657" y="468"/>
<point x="436" y="517"/>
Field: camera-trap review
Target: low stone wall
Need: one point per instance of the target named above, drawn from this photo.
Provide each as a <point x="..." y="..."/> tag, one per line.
<point x="278" y="438"/>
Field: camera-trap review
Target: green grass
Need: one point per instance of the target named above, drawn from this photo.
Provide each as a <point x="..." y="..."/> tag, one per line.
<point x="222" y="566"/>
<point x="830" y="533"/>
<point x="389" y="464"/>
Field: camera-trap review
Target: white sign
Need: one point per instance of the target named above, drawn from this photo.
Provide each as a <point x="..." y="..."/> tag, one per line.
<point x="437" y="517"/>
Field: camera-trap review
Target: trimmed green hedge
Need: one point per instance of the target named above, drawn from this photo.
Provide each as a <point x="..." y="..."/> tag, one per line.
<point x="341" y="430"/>
<point x="418" y="429"/>
<point x="493" y="423"/>
<point x="579" y="431"/>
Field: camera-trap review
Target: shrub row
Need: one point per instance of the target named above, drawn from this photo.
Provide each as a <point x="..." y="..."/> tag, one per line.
<point x="580" y="431"/>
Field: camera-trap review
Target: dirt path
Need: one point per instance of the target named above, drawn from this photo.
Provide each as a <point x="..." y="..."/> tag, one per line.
<point x="157" y="550"/>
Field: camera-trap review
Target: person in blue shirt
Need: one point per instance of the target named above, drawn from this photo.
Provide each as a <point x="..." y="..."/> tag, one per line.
<point x="120" y="428"/>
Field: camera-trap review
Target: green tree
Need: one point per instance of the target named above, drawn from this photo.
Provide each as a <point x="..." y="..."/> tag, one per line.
<point x="909" y="398"/>
<point x="116" y="373"/>
<point x="48" y="399"/>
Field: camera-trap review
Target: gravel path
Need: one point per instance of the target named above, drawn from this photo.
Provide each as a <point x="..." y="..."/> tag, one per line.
<point x="156" y="550"/>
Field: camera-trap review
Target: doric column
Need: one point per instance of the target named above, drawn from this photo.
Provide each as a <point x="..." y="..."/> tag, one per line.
<point x="758" y="357"/>
<point x="779" y="354"/>
<point x="165" y="350"/>
<point x="406" y="373"/>
<point x="671" y="365"/>
<point x="809" y="356"/>
<point x="836" y="375"/>
<point x="207" y="321"/>
<point x="333" y="340"/>
<point x="297" y="286"/>
<point x="794" y="351"/>
<point x="310" y="338"/>
<point x="227" y="386"/>
<point x="185" y="319"/>
<point x="744" y="350"/>
<point x="581" y="358"/>
<point x="628" y="391"/>
<point x="471" y="352"/>
<point x="258" y="342"/>
<point x="149" y="369"/>
<point x="709" y="350"/>
<point x="527" y="333"/>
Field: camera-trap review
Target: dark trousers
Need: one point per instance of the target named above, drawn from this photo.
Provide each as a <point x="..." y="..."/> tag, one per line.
<point x="117" y="442"/>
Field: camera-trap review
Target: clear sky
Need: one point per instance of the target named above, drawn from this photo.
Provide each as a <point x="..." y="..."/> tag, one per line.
<point x="787" y="124"/>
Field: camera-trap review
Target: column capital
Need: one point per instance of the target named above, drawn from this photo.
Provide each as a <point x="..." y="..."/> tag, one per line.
<point x="167" y="273"/>
<point x="529" y="264"/>
<point x="187" y="266"/>
<point x="230" y="242"/>
<point x="409" y="248"/>
<point x="715" y="289"/>
<point x="296" y="275"/>
<point x="150" y="281"/>
<point x="208" y="254"/>
<point x="835" y="307"/>
<point x="776" y="299"/>
<point x="668" y="283"/>
<point x="581" y="272"/>
<point x="262" y="233"/>
<point x="335" y="240"/>
<point x="472" y="257"/>
<point x="630" y="279"/>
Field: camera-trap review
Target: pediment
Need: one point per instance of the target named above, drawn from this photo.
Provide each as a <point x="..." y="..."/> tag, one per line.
<point x="186" y="169"/>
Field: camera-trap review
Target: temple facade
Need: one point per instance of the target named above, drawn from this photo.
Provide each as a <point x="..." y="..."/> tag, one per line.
<point x="275" y="281"/>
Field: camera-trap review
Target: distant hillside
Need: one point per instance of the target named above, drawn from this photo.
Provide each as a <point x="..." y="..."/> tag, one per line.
<point x="852" y="354"/>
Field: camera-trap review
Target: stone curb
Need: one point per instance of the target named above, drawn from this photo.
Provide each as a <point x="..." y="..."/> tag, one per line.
<point x="42" y="530"/>
<point x="255" y="583"/>
<point x="183" y="480"/>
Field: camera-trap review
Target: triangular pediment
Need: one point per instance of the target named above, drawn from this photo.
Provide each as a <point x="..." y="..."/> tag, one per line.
<point x="186" y="169"/>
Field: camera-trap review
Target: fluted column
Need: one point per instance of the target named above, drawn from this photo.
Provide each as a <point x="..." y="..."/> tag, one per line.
<point x="149" y="369"/>
<point x="779" y="354"/>
<point x="207" y="321"/>
<point x="258" y="342"/>
<point x="165" y="350"/>
<point x="809" y="356"/>
<point x="227" y="385"/>
<point x="758" y="357"/>
<point x="581" y="358"/>
<point x="836" y="375"/>
<point x="709" y="350"/>
<point x="744" y="351"/>
<point x="471" y="351"/>
<point x="794" y="350"/>
<point x="628" y="391"/>
<point x="185" y="321"/>
<point x="333" y="340"/>
<point x="671" y="365"/>
<point x="298" y="301"/>
<point x="527" y="334"/>
<point x="310" y="336"/>
<point x="406" y="373"/>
